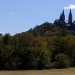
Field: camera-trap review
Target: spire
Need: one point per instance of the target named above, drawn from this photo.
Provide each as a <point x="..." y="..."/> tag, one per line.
<point x="63" y="16"/>
<point x="70" y="17"/>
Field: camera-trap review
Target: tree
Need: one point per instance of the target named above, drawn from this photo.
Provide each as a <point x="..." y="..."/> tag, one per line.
<point x="62" y="61"/>
<point x="6" y="39"/>
<point x="44" y="61"/>
<point x="59" y="47"/>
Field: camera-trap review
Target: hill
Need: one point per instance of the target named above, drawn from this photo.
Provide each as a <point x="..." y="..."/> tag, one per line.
<point x="50" y="29"/>
<point x="46" y="46"/>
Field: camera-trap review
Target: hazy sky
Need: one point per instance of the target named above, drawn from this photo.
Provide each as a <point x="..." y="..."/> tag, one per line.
<point x="20" y="15"/>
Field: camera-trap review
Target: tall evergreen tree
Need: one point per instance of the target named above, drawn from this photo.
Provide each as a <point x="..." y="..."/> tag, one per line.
<point x="70" y="17"/>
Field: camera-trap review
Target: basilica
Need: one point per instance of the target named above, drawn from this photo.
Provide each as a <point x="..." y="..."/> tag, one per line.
<point x="65" y="24"/>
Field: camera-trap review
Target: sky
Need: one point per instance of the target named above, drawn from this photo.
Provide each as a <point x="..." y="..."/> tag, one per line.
<point x="18" y="16"/>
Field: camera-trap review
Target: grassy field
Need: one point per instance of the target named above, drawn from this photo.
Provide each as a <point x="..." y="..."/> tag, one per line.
<point x="70" y="71"/>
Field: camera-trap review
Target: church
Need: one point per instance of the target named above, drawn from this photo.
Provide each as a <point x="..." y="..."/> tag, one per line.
<point x="62" y="23"/>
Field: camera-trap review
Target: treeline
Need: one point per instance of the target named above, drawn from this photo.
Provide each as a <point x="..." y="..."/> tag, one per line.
<point x="44" y="47"/>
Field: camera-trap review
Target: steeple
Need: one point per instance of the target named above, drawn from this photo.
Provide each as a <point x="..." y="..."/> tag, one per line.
<point x="63" y="16"/>
<point x="70" y="17"/>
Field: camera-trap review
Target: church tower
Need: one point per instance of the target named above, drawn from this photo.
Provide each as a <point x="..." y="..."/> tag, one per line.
<point x="70" y="17"/>
<point x="62" y="16"/>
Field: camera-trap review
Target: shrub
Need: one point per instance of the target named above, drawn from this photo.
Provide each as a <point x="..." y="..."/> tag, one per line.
<point x="62" y="61"/>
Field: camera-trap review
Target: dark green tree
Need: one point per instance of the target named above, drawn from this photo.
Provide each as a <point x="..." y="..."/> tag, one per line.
<point x="6" y="39"/>
<point x="62" y="61"/>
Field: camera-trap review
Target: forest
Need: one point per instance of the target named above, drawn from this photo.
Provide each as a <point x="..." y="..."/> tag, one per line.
<point x="46" y="46"/>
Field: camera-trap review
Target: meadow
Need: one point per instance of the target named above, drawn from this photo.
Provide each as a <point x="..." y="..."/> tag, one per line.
<point x="70" y="71"/>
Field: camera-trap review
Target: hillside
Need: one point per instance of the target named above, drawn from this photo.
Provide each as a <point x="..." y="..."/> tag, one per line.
<point x="50" y="29"/>
<point x="46" y="46"/>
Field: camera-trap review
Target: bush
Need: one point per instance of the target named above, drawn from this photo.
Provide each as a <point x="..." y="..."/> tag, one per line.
<point x="62" y="61"/>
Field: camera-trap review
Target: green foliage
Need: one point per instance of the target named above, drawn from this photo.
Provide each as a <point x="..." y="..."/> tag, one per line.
<point x="44" y="60"/>
<point x="62" y="61"/>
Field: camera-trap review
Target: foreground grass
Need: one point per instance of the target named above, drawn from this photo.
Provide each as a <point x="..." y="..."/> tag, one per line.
<point x="70" y="71"/>
<point x="63" y="70"/>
